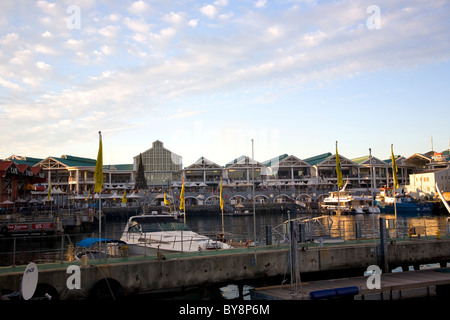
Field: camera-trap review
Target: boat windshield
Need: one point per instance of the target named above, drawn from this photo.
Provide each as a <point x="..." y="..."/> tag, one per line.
<point x="157" y="224"/>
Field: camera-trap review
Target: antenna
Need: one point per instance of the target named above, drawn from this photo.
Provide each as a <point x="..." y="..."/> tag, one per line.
<point x="29" y="281"/>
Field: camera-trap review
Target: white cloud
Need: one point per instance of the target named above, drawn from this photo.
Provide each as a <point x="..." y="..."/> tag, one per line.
<point x="138" y="26"/>
<point x="173" y="18"/>
<point x="193" y="23"/>
<point x="138" y="7"/>
<point x="260" y="3"/>
<point x="47" y="34"/>
<point x="110" y="31"/>
<point x="43" y="66"/>
<point x="221" y="3"/>
<point x="209" y="10"/>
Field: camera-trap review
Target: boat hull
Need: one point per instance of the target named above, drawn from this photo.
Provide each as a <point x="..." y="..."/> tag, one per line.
<point x="407" y="209"/>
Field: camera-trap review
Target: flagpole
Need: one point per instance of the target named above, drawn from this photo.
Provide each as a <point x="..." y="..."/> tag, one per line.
<point x="98" y="175"/>
<point x="221" y="206"/>
<point x="337" y="176"/>
<point x="394" y="175"/>
<point x="253" y="198"/>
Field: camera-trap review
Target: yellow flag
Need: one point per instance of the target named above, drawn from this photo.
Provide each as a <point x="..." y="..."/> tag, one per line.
<point x="182" y="195"/>
<point x="340" y="181"/>
<point x="394" y="168"/>
<point x="165" y="200"/>
<point x="98" y="174"/>
<point x="221" y="196"/>
<point x="49" y="190"/>
<point x="124" y="197"/>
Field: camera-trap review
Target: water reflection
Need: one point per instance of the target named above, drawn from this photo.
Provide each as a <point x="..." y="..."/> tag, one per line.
<point x="237" y="228"/>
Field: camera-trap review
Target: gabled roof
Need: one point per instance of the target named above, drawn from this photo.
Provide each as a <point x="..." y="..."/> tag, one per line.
<point x="293" y="161"/>
<point x="157" y="145"/>
<point x="276" y="160"/>
<point x="243" y="162"/>
<point x="364" y="161"/>
<point x="203" y="163"/>
<point x="331" y="161"/>
<point x="398" y="159"/>
<point x="318" y="159"/>
<point x="23" y="160"/>
<point x="67" y="161"/>
<point x="6" y="164"/>
<point x="420" y="156"/>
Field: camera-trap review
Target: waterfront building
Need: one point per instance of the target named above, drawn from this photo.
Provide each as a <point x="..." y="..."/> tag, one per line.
<point x="161" y="166"/>
<point x="380" y="171"/>
<point x="324" y="168"/>
<point x="289" y="170"/>
<point x="203" y="171"/>
<point x="429" y="161"/>
<point x="17" y="180"/>
<point x="241" y="170"/>
<point x="75" y="175"/>
<point x="423" y="184"/>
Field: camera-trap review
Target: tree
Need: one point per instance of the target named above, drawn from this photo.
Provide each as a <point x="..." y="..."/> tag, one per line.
<point x="141" y="182"/>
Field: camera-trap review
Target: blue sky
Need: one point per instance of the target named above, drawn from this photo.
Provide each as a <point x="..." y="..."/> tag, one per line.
<point x="206" y="77"/>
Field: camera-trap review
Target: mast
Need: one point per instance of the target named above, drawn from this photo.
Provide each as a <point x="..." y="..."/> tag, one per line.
<point x="371" y="177"/>
<point x="253" y="197"/>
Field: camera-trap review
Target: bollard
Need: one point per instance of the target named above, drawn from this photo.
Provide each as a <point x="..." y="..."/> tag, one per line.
<point x="358" y="230"/>
<point x="268" y="235"/>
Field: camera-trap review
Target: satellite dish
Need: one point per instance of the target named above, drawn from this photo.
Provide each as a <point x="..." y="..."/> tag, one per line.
<point x="29" y="281"/>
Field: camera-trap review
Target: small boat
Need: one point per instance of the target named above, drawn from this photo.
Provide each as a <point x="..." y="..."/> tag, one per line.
<point x="346" y="202"/>
<point x="109" y="248"/>
<point x="239" y="213"/>
<point x="405" y="205"/>
<point x="163" y="233"/>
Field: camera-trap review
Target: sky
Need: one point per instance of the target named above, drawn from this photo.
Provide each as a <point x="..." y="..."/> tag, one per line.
<point x="206" y="77"/>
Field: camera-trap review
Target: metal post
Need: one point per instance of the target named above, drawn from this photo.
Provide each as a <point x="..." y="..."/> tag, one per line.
<point x="383" y="258"/>
<point x="268" y="235"/>
<point x="62" y="248"/>
<point x="358" y="230"/>
<point x="14" y="252"/>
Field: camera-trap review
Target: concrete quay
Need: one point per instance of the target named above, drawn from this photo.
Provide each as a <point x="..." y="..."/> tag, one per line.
<point x="123" y="276"/>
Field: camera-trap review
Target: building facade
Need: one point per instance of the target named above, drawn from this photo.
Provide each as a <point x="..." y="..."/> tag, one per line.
<point x="161" y="166"/>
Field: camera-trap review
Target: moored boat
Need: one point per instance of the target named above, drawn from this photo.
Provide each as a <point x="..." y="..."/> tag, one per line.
<point x="163" y="233"/>
<point x="347" y="202"/>
<point x="404" y="204"/>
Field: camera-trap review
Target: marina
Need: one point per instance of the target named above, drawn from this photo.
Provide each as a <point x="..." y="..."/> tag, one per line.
<point x="162" y="247"/>
<point x="416" y="241"/>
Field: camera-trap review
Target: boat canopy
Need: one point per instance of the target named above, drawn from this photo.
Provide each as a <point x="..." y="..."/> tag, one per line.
<point x="88" y="242"/>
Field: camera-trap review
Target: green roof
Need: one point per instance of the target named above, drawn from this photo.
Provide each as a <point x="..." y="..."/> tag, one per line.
<point x="24" y="160"/>
<point x="360" y="160"/>
<point x="119" y="167"/>
<point x="72" y="161"/>
<point x="275" y="160"/>
<point x="318" y="159"/>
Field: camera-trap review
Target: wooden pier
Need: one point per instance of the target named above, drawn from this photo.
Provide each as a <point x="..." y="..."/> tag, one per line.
<point x="393" y="286"/>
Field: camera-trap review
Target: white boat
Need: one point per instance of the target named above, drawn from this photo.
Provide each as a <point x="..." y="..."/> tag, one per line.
<point x="346" y="202"/>
<point x="163" y="233"/>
